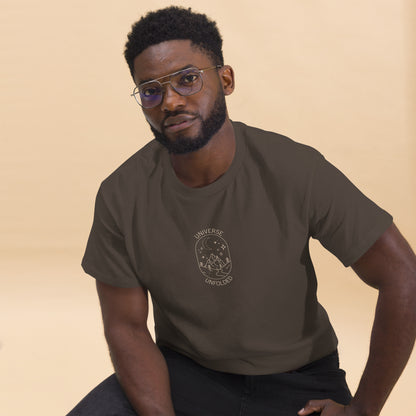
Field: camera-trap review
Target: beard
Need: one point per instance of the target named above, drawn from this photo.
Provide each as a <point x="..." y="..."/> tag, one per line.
<point x="182" y="144"/>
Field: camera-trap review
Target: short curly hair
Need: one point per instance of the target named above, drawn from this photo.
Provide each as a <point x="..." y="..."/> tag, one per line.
<point x="172" y="23"/>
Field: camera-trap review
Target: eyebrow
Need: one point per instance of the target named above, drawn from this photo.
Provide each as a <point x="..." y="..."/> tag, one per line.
<point x="164" y="76"/>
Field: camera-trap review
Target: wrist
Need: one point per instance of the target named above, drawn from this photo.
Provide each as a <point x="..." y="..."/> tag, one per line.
<point x="362" y="409"/>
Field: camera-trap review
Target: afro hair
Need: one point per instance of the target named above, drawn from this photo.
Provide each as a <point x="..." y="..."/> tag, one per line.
<point x="173" y="23"/>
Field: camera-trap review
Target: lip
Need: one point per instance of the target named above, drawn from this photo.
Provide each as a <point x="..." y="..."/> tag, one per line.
<point x="177" y="123"/>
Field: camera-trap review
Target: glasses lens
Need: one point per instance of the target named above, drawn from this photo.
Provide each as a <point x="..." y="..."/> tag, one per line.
<point x="150" y="94"/>
<point x="187" y="82"/>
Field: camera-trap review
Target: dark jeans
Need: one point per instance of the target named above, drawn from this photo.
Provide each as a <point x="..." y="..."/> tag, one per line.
<point x="198" y="391"/>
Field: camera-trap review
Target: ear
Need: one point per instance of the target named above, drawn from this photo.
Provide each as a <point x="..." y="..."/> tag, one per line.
<point x="226" y="74"/>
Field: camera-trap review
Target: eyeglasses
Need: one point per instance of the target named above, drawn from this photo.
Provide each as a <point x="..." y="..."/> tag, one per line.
<point x="185" y="82"/>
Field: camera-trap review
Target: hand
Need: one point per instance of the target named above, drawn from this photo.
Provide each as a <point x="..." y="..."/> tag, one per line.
<point x="327" y="408"/>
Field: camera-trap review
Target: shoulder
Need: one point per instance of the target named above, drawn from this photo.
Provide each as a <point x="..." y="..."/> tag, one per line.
<point x="276" y="151"/>
<point x="135" y="170"/>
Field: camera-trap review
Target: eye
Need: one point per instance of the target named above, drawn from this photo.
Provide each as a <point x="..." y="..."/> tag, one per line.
<point x="189" y="79"/>
<point x="150" y="91"/>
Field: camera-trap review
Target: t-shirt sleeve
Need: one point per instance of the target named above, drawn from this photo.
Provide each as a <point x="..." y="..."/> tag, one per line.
<point x="106" y="257"/>
<point x="341" y="217"/>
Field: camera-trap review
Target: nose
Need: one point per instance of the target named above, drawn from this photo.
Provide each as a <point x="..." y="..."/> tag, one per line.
<point x="171" y="100"/>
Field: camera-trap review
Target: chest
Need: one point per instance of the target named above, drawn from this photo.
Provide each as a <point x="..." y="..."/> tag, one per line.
<point x="244" y="236"/>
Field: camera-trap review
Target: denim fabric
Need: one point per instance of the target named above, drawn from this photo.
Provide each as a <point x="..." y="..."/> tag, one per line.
<point x="199" y="391"/>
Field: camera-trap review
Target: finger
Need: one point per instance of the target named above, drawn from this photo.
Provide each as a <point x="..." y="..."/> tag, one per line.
<point x="314" y="406"/>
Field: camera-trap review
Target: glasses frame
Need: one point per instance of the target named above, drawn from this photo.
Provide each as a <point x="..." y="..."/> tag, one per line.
<point x="136" y="90"/>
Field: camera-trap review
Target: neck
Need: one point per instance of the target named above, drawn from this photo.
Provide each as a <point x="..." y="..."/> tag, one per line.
<point x="206" y="165"/>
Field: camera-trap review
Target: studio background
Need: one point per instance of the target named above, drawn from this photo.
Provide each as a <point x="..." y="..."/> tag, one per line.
<point x="339" y="76"/>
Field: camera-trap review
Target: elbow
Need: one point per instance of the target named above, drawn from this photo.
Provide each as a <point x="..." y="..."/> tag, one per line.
<point x="125" y="333"/>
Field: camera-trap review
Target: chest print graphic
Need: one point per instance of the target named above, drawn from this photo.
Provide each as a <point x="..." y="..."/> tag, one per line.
<point x="213" y="257"/>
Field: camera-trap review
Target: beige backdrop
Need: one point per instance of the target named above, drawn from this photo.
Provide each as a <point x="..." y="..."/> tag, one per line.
<point x="338" y="75"/>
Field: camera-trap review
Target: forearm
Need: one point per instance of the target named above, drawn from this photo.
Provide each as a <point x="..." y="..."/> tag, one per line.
<point x="142" y="372"/>
<point x="392" y="340"/>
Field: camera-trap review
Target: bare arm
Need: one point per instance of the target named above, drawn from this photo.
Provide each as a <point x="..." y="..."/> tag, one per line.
<point x="139" y="365"/>
<point x="389" y="266"/>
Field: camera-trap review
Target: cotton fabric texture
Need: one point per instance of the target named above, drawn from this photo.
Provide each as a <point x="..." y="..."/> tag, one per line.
<point x="228" y="265"/>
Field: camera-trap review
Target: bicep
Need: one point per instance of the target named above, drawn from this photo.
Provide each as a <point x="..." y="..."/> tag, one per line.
<point x="388" y="262"/>
<point x="122" y="306"/>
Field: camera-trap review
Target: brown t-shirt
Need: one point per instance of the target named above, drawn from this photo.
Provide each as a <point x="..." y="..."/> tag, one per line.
<point x="228" y="265"/>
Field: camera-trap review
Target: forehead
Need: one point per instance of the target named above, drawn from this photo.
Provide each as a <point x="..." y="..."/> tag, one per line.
<point x="167" y="57"/>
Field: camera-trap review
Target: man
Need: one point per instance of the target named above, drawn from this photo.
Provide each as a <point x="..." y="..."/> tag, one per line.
<point x="213" y="218"/>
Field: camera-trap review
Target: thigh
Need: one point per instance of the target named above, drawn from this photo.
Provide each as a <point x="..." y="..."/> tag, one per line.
<point x="107" y="399"/>
<point x="286" y="393"/>
<point x="199" y="391"/>
<point x="196" y="391"/>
